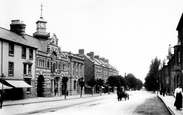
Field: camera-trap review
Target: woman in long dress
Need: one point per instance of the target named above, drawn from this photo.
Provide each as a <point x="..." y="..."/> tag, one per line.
<point x="178" y="97"/>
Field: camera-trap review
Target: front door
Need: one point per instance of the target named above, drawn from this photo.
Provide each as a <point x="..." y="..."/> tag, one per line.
<point x="40" y="88"/>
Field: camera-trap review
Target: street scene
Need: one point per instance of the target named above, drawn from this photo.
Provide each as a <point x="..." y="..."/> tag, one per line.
<point x="139" y="103"/>
<point x="91" y="57"/>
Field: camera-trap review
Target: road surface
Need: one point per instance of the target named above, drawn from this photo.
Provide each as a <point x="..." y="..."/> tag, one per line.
<point x="140" y="103"/>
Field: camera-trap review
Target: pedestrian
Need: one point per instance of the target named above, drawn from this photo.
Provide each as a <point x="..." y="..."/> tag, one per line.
<point x="1" y="99"/>
<point x="178" y="97"/>
<point x="164" y="90"/>
<point x="67" y="93"/>
<point x="56" y="91"/>
<point x="118" y="93"/>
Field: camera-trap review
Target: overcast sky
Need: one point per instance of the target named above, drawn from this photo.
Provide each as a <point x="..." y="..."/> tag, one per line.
<point x="129" y="33"/>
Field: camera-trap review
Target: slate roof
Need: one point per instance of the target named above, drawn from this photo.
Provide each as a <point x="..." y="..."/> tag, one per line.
<point x="23" y="40"/>
<point x="96" y="62"/>
<point x="89" y="58"/>
<point x="102" y="63"/>
<point x="180" y="24"/>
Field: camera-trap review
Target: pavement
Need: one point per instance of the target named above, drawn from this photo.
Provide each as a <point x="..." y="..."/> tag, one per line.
<point x="45" y="99"/>
<point x="169" y="100"/>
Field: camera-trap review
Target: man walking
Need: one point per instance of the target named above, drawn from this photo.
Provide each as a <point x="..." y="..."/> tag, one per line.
<point x="1" y="99"/>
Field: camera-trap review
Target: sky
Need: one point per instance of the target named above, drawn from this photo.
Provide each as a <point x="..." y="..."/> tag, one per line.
<point x="129" y="33"/>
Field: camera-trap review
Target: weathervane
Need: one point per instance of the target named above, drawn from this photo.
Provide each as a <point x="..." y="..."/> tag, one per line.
<point x="41" y="11"/>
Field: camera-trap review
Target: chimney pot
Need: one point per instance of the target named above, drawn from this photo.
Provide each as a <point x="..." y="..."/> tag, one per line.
<point x="18" y="27"/>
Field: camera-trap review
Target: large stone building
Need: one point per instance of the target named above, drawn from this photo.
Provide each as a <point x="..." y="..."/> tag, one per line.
<point x="163" y="81"/>
<point x="76" y="71"/>
<point x="35" y="59"/>
<point x="51" y="63"/>
<point x="35" y="65"/>
<point x="96" y="68"/>
<point x="175" y="63"/>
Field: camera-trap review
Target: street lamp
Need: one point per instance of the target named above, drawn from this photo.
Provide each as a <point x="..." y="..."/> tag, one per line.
<point x="157" y="87"/>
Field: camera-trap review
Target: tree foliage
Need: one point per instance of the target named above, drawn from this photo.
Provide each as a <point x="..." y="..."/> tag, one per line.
<point x="100" y="82"/>
<point x="129" y="81"/>
<point x="92" y="82"/>
<point x="113" y="81"/>
<point x="151" y="79"/>
<point x="139" y="84"/>
<point x="132" y="81"/>
<point x="81" y="81"/>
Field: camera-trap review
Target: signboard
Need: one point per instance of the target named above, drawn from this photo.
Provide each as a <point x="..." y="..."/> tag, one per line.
<point x="62" y="73"/>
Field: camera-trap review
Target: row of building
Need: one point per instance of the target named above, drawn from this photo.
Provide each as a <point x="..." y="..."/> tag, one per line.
<point x="35" y="65"/>
<point x="171" y="72"/>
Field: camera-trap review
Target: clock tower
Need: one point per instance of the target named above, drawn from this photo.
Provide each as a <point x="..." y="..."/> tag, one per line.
<point x="41" y="28"/>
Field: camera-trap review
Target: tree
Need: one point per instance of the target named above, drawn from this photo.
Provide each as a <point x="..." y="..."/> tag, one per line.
<point x="151" y="79"/>
<point x="81" y="83"/>
<point x="113" y="81"/>
<point x="100" y="83"/>
<point x="139" y="84"/>
<point x="131" y="80"/>
<point x="92" y="83"/>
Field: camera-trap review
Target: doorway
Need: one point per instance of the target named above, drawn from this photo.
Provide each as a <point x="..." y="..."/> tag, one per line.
<point x="40" y="88"/>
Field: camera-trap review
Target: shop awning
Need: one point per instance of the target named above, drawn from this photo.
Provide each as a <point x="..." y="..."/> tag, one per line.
<point x="18" y="83"/>
<point x="4" y="86"/>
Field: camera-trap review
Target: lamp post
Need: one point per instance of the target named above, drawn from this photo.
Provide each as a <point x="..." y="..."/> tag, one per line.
<point x="157" y="87"/>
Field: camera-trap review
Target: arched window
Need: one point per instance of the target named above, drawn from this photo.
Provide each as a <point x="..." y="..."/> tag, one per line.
<point x="59" y="65"/>
<point x="56" y="65"/>
<point x="48" y="63"/>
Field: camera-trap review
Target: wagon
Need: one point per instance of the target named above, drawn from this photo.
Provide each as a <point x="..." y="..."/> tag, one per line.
<point x="122" y="94"/>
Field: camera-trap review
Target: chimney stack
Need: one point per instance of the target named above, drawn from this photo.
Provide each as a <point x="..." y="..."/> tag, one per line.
<point x="91" y="55"/>
<point x="81" y="52"/>
<point x="18" y="27"/>
<point x="106" y="60"/>
<point x="103" y="59"/>
<point x="96" y="56"/>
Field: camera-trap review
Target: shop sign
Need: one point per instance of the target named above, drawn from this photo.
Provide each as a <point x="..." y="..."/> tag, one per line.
<point x="60" y="72"/>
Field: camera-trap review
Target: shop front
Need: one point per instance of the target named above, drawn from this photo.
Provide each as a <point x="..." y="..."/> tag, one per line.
<point x="14" y="89"/>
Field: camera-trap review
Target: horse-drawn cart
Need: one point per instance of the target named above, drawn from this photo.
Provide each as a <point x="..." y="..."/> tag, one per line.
<point x="122" y="94"/>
